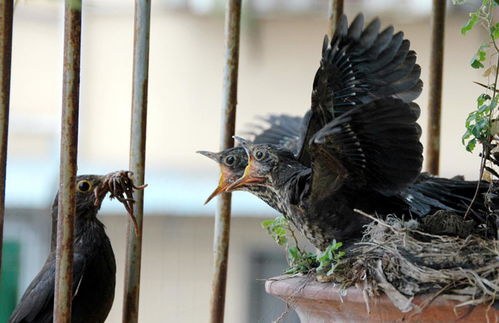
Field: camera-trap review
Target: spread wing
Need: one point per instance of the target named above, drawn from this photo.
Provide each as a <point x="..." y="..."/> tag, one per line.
<point x="358" y="66"/>
<point x="374" y="146"/>
<point x="281" y="130"/>
<point x="37" y="303"/>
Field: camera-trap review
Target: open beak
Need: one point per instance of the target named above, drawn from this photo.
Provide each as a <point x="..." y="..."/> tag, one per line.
<point x="250" y="176"/>
<point x="222" y="186"/>
<point x="223" y="183"/>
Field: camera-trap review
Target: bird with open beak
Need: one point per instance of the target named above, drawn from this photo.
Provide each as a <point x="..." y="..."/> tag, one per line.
<point x="94" y="265"/>
<point x="353" y="166"/>
<point x="282" y="130"/>
<point x="232" y="163"/>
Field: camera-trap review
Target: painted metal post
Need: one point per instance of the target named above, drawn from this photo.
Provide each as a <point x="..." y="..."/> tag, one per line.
<point x="137" y="156"/>
<point x="229" y="102"/>
<point x="69" y="141"/>
<point x="335" y="12"/>
<point x="435" y="86"/>
<point x="6" y="13"/>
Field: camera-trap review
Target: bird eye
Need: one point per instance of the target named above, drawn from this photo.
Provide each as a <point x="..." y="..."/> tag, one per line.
<point x="229" y="160"/>
<point x="259" y="155"/>
<point x="84" y="186"/>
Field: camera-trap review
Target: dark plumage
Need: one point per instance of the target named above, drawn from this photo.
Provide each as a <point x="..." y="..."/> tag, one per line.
<point x="357" y="66"/>
<point x="358" y="161"/>
<point x="94" y="266"/>
<point x="368" y="159"/>
<point x="357" y="147"/>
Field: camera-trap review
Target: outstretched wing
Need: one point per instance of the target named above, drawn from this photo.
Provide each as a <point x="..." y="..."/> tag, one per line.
<point x="37" y="303"/>
<point x="374" y="146"/>
<point x="282" y="130"/>
<point x="359" y="66"/>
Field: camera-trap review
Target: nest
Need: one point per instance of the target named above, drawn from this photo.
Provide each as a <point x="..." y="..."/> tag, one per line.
<point x="402" y="260"/>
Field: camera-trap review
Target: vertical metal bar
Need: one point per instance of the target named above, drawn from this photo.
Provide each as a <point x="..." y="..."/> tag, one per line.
<point x="6" y="13"/>
<point x="222" y="216"/>
<point x="435" y="96"/>
<point x="69" y="142"/>
<point x="335" y="12"/>
<point x="137" y="156"/>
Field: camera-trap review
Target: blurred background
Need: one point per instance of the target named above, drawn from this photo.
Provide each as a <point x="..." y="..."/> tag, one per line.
<point x="280" y="51"/>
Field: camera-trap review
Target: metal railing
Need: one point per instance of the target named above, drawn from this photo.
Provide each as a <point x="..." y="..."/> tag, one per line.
<point x="67" y="176"/>
<point x="229" y="102"/>
<point x="435" y="87"/>
<point x="137" y="156"/>
<point x="6" y="19"/>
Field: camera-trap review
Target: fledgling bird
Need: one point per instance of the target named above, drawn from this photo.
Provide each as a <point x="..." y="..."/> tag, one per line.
<point x="359" y="160"/>
<point x="94" y="265"/>
<point x="358" y="66"/>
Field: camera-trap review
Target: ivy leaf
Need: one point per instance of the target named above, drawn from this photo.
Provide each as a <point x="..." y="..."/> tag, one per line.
<point x="470" y="146"/>
<point x="475" y="63"/>
<point x="494" y="31"/>
<point x="470" y="23"/>
<point x="482" y="98"/>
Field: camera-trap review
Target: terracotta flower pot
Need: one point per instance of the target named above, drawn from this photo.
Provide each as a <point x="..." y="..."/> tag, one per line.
<point x="322" y="302"/>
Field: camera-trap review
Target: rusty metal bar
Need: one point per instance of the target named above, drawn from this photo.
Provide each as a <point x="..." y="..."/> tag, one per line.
<point x="435" y="85"/>
<point x="6" y="13"/>
<point x="137" y="156"/>
<point x="69" y="141"/>
<point x="229" y="102"/>
<point x="335" y="12"/>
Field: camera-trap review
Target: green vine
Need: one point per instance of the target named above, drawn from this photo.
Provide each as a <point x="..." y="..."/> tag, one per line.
<point x="301" y="261"/>
<point x="479" y="123"/>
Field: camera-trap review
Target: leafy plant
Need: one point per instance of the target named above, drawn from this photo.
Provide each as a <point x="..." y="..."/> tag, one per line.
<point x="278" y="229"/>
<point x="329" y="258"/>
<point x="301" y="261"/>
<point x="478" y="123"/>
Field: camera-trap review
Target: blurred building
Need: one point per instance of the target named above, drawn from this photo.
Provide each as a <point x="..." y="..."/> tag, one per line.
<point x="280" y="52"/>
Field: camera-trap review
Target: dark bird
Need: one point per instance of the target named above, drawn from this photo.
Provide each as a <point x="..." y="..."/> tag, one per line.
<point x="358" y="66"/>
<point x="94" y="265"/>
<point x="282" y="130"/>
<point x="359" y="160"/>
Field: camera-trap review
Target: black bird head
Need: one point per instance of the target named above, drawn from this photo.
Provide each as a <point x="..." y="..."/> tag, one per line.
<point x="87" y="200"/>
<point x="232" y="163"/>
<point x="91" y="191"/>
<point x="264" y="163"/>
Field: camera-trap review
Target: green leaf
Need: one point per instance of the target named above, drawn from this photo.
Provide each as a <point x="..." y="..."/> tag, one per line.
<point x="267" y="223"/>
<point x="470" y="146"/>
<point x="293" y="253"/>
<point x="466" y="135"/>
<point x="484" y="109"/>
<point x="475" y="63"/>
<point x="482" y="98"/>
<point x="494" y="31"/>
<point x="470" y="23"/>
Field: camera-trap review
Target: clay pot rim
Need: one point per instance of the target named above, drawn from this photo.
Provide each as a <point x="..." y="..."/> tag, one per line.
<point x="285" y="286"/>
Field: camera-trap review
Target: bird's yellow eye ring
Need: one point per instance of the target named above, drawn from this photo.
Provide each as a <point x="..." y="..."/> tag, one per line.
<point x="229" y="160"/>
<point x="259" y="155"/>
<point x="84" y="186"/>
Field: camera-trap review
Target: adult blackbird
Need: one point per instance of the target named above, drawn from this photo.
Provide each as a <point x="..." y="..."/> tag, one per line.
<point x="94" y="266"/>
